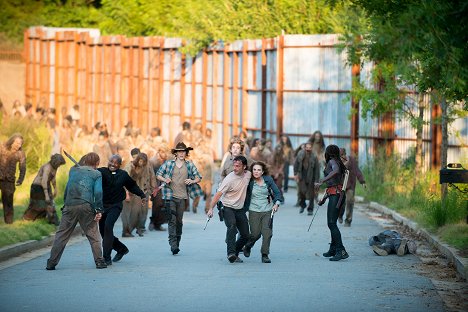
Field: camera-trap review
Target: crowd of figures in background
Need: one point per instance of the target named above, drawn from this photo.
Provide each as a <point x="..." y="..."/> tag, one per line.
<point x="154" y="174"/>
<point x="142" y="157"/>
<point x="148" y="168"/>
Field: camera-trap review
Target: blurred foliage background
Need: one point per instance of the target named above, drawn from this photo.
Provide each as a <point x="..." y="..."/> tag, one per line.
<point x="200" y="22"/>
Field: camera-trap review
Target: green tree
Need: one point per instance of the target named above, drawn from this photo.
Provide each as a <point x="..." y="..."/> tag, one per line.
<point x="17" y="16"/>
<point x="421" y="43"/>
<point x="200" y="22"/>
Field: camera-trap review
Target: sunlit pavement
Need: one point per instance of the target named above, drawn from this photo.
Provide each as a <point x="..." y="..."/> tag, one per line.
<point x="200" y="278"/>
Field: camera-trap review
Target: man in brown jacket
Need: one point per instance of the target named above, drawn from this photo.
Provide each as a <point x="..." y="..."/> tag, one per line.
<point x="306" y="173"/>
<point x="354" y="172"/>
<point x="11" y="154"/>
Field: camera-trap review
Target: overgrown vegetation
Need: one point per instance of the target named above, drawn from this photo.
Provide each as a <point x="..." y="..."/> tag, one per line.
<point x="390" y="182"/>
<point x="200" y="22"/>
<point x="418" y="45"/>
<point x="37" y="146"/>
<point x="37" y="143"/>
<point x="21" y="230"/>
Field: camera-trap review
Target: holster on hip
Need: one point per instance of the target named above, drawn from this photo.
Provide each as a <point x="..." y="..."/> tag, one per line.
<point x="220" y="211"/>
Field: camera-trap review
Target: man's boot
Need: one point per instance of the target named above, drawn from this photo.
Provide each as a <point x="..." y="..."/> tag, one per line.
<point x="151" y="224"/>
<point x="178" y="240"/>
<point x="101" y="264"/>
<point x="175" y="249"/>
<point x="340" y="254"/>
<point x="303" y="205"/>
<point x="330" y="253"/>
<point x="246" y="251"/>
<point x="140" y="232"/>
<point x="174" y="243"/>
<point x="265" y="258"/>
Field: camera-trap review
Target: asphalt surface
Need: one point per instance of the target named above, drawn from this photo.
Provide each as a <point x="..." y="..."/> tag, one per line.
<point x="200" y="278"/>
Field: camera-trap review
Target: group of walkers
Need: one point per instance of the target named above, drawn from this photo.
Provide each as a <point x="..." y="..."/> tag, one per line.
<point x="254" y="175"/>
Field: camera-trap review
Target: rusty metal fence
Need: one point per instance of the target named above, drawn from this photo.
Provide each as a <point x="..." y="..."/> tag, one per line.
<point x="292" y="84"/>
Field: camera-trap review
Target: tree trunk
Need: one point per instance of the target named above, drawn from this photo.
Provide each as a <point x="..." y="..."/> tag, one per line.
<point x="419" y="137"/>
<point x="444" y="147"/>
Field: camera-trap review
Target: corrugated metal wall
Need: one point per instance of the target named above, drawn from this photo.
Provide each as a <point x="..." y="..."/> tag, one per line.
<point x="294" y="84"/>
<point x="316" y="83"/>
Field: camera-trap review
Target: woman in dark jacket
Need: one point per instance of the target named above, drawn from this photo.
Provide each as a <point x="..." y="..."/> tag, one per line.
<point x="262" y="200"/>
<point x="334" y="175"/>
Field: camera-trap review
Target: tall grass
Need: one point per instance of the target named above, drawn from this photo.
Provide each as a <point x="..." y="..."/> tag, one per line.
<point x="452" y="212"/>
<point x="37" y="140"/>
<point x="21" y="231"/>
<point x="37" y="147"/>
<point x="391" y="181"/>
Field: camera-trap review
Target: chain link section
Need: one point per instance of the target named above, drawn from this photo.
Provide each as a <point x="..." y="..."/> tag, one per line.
<point x="463" y="191"/>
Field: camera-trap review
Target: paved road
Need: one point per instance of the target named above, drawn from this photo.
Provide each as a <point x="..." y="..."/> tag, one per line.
<point x="200" y="278"/>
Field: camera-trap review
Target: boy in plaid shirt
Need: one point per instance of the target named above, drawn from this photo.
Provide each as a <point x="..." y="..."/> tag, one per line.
<point x="179" y="179"/>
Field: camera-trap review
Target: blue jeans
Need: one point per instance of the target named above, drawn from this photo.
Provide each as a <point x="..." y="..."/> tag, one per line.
<point x="235" y="219"/>
<point x="332" y="217"/>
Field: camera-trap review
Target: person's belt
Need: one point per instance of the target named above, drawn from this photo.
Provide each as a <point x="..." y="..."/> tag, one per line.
<point x="224" y="206"/>
<point x="335" y="189"/>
